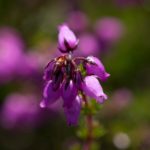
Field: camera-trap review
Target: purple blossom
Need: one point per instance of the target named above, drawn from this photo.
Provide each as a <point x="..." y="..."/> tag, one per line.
<point x="11" y="49"/>
<point x="67" y="39"/>
<point x="48" y="70"/>
<point x="88" y="45"/>
<point x="19" y="110"/>
<point x="64" y="78"/>
<point x="109" y="29"/>
<point x="72" y="113"/>
<point x="92" y="88"/>
<point x="14" y="62"/>
<point x="96" y="68"/>
<point x="50" y="95"/>
<point x="69" y="93"/>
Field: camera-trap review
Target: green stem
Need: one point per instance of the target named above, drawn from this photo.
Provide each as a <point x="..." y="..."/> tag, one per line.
<point x="89" y="121"/>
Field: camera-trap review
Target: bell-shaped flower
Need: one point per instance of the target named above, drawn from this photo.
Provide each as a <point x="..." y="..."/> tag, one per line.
<point x="49" y="94"/>
<point x="72" y="113"/>
<point x="69" y="93"/>
<point x="92" y="88"/>
<point x="66" y="39"/>
<point x="95" y="67"/>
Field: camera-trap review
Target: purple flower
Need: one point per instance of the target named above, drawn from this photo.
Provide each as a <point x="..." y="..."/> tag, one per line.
<point x="72" y="113"/>
<point x="19" y="110"/>
<point x="92" y="88"/>
<point x="95" y="67"/>
<point x="67" y="39"/>
<point x="78" y="79"/>
<point x="11" y="51"/>
<point x="64" y="78"/>
<point x="109" y="29"/>
<point x="69" y="93"/>
<point x="50" y="95"/>
<point x="14" y="62"/>
<point x="48" y="71"/>
<point x="88" y="45"/>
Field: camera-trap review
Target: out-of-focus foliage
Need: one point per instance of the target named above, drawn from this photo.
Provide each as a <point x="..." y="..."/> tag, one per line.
<point x="118" y="31"/>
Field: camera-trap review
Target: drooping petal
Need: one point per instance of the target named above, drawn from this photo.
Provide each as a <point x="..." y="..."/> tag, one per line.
<point x="48" y="71"/>
<point x="57" y="79"/>
<point x="69" y="92"/>
<point x="92" y="88"/>
<point x="49" y="95"/>
<point x="95" y="67"/>
<point x="66" y="38"/>
<point x="78" y="79"/>
<point x="72" y="114"/>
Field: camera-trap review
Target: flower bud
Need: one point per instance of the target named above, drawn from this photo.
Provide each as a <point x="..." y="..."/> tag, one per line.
<point x="67" y="39"/>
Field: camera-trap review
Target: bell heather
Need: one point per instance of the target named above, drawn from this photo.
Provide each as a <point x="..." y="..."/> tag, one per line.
<point x="65" y="77"/>
<point x="67" y="39"/>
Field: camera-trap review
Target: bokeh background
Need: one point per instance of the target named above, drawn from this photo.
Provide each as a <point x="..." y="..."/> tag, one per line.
<point x="116" y="31"/>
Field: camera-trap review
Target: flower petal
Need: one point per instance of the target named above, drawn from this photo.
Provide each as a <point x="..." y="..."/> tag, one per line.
<point x="73" y="113"/>
<point x="78" y="79"/>
<point x="69" y="92"/>
<point x="66" y="38"/>
<point x="48" y="71"/>
<point x="95" y="67"/>
<point x="49" y="95"/>
<point x="93" y="89"/>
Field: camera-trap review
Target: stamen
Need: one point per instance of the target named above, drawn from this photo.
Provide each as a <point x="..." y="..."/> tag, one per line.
<point x="79" y="59"/>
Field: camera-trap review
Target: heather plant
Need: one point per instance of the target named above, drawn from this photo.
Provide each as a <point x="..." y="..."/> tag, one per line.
<point x="116" y="32"/>
<point x="77" y="81"/>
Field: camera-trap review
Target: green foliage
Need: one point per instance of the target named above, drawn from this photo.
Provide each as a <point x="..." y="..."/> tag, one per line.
<point x="93" y="107"/>
<point x="98" y="130"/>
<point x="95" y="146"/>
<point x="75" y="146"/>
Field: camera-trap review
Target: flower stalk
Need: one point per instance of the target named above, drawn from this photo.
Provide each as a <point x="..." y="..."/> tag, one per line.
<point x="89" y="120"/>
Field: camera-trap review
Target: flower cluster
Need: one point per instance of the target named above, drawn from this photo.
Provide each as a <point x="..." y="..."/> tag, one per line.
<point x="72" y="78"/>
<point x="15" y="62"/>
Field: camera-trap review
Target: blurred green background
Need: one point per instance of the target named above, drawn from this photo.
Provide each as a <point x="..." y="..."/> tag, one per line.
<point x="126" y="114"/>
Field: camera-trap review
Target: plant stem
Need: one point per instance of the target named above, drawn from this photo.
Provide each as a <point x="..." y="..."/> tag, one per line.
<point x="89" y="121"/>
